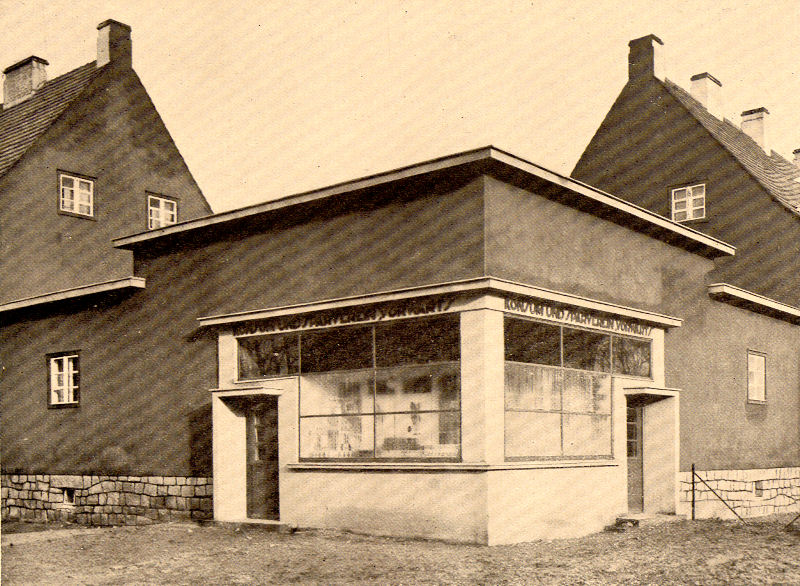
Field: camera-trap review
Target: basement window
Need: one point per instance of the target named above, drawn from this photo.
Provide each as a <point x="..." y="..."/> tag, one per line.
<point x="689" y="203"/>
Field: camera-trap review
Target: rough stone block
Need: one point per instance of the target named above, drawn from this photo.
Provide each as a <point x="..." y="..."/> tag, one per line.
<point x="150" y="490"/>
<point x="174" y="490"/>
<point x="169" y="480"/>
<point x="138" y="488"/>
<point x="162" y="489"/>
<point x="187" y="491"/>
<point x="172" y="502"/>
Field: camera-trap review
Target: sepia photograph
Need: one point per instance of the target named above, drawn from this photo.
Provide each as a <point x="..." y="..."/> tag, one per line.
<point x="400" y="292"/>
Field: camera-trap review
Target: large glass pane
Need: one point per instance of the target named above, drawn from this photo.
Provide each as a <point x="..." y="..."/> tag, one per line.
<point x="261" y="356"/>
<point x="587" y="392"/>
<point x="417" y="341"/>
<point x="532" y="342"/>
<point x="632" y="357"/>
<point x="417" y="435"/>
<point x="346" y="436"/>
<point x="587" y="350"/>
<point x="532" y="435"/>
<point x="424" y="387"/>
<point x="338" y="349"/>
<point x="587" y="435"/>
<point x="336" y="392"/>
<point x="529" y="387"/>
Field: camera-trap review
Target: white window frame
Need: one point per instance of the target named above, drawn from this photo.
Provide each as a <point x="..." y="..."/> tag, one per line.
<point x="77" y="198"/>
<point x="684" y="200"/>
<point x="158" y="215"/>
<point x="64" y="377"/>
<point x="756" y="377"/>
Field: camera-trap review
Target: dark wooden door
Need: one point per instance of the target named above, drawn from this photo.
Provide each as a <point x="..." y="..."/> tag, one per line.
<point x="262" y="459"/>
<point x="635" y="470"/>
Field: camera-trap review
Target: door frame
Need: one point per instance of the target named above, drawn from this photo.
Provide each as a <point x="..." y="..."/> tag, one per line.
<point x="229" y="443"/>
<point x="660" y="446"/>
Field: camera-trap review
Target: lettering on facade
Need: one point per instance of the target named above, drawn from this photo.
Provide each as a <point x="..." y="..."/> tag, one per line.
<point x="576" y="316"/>
<point x="348" y="316"/>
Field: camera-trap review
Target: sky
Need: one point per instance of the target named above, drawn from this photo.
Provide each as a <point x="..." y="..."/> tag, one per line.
<point x="271" y="98"/>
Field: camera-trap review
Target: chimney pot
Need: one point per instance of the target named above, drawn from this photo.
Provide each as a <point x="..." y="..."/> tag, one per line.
<point x="754" y="125"/>
<point x="23" y="79"/>
<point x="646" y="58"/>
<point x="114" y="43"/>
<point x="796" y="153"/>
<point x="707" y="90"/>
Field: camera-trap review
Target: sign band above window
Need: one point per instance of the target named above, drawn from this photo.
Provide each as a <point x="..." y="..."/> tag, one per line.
<point x="571" y="315"/>
<point x="347" y="316"/>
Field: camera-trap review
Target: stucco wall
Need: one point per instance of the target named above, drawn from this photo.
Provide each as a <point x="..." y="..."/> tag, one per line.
<point x="115" y="135"/>
<point x="534" y="240"/>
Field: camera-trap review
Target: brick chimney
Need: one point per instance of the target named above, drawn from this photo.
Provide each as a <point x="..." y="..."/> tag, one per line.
<point x="754" y="125"/>
<point x="114" y="43"/>
<point x="645" y="59"/>
<point x="23" y="79"/>
<point x="707" y="90"/>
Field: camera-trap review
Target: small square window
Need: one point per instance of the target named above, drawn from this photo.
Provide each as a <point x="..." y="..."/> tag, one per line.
<point x="64" y="379"/>
<point x="76" y="195"/>
<point x="756" y="377"/>
<point x="161" y="211"/>
<point x="689" y="203"/>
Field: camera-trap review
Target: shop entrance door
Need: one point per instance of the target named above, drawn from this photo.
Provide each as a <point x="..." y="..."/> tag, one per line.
<point x="635" y="469"/>
<point x="262" y="459"/>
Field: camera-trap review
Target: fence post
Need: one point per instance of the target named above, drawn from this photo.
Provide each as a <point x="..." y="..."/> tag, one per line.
<point x="693" y="483"/>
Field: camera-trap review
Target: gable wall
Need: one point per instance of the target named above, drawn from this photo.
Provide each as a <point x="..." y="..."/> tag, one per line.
<point x="647" y="144"/>
<point x="115" y="135"/>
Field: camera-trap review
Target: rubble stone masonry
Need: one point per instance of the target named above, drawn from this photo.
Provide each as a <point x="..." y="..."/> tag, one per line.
<point x="105" y="500"/>
<point x="751" y="493"/>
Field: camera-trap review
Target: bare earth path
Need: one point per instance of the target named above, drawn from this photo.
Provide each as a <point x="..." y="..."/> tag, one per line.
<point x="685" y="552"/>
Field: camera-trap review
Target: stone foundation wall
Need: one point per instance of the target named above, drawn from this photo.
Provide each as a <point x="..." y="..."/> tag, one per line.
<point x="105" y="500"/>
<point x="751" y="493"/>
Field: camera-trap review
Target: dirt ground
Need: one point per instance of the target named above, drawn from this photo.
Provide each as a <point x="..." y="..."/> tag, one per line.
<point x="684" y="552"/>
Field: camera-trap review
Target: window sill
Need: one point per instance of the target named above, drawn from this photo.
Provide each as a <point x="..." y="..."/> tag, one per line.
<point x="77" y="215"/>
<point x="64" y="405"/>
<point x="756" y="402"/>
<point x="445" y="466"/>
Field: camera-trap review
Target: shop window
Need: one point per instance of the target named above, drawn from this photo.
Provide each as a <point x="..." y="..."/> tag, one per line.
<point x="756" y="377"/>
<point x="632" y="356"/>
<point x="64" y="379"/>
<point x="389" y="391"/>
<point x="558" y="388"/>
<point x="161" y="211"/>
<point x="76" y="195"/>
<point x="264" y="356"/>
<point x="689" y="203"/>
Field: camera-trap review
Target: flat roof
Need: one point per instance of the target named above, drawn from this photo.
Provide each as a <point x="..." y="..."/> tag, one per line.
<point x="710" y="246"/>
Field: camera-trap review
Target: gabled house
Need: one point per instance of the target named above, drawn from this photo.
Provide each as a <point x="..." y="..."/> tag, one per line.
<point x="672" y="151"/>
<point x="84" y="158"/>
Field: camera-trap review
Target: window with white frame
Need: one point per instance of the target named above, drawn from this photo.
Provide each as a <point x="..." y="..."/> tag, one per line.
<point x="76" y="195"/>
<point x="756" y="377"/>
<point x="689" y="203"/>
<point x="64" y="369"/>
<point x="161" y="211"/>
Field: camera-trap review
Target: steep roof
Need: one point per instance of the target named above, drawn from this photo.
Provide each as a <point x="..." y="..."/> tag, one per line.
<point x="777" y="175"/>
<point x="22" y="124"/>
